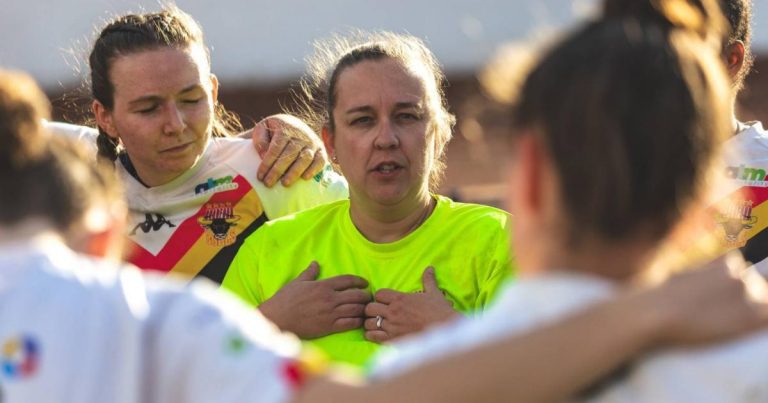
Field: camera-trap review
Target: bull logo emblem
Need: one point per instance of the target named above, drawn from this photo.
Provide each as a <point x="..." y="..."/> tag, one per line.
<point x="736" y="220"/>
<point x="218" y="220"/>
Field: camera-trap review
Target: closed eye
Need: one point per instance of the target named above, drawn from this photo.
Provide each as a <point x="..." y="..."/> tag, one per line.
<point x="147" y="110"/>
<point x="362" y="120"/>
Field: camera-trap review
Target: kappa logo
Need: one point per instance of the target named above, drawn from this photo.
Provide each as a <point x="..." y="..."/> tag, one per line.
<point x="152" y="222"/>
<point x="216" y="185"/>
<point x="749" y="176"/>
<point x="218" y="220"/>
<point x="735" y="220"/>
<point x="20" y="357"/>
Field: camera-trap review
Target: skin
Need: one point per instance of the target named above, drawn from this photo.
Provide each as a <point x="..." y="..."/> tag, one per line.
<point x="382" y="117"/>
<point x="555" y="361"/>
<point x="162" y="110"/>
<point x="733" y="56"/>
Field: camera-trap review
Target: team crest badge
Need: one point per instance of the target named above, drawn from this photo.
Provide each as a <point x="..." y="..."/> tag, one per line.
<point x="735" y="220"/>
<point x="219" y="221"/>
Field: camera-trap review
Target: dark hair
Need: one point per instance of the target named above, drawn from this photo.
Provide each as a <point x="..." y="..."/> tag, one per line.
<point x="50" y="177"/>
<point x="134" y="33"/>
<point x="317" y="95"/>
<point x="739" y="16"/>
<point x="631" y="108"/>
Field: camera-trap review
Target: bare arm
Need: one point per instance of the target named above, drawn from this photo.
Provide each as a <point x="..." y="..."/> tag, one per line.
<point x="558" y="360"/>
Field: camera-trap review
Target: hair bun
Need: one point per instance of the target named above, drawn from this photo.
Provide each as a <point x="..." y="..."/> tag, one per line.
<point x="700" y="16"/>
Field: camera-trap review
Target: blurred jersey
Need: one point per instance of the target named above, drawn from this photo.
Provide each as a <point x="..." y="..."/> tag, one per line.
<point x="736" y="216"/>
<point x="735" y="371"/>
<point x="75" y="329"/>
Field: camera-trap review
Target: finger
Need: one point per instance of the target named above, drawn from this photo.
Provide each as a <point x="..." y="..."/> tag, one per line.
<point x="310" y="273"/>
<point x="372" y="323"/>
<point x="377" y="336"/>
<point x="303" y="161"/>
<point x="261" y="136"/>
<point x="375" y="309"/>
<point x="346" y="281"/>
<point x="318" y="164"/>
<point x="353" y="296"/>
<point x="344" y="324"/>
<point x="274" y="149"/>
<point x="284" y="160"/>
<point x="429" y="280"/>
<point x="387" y="296"/>
<point x="350" y="311"/>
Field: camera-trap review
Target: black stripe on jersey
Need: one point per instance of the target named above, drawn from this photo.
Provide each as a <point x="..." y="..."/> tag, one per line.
<point x="756" y="249"/>
<point x="217" y="267"/>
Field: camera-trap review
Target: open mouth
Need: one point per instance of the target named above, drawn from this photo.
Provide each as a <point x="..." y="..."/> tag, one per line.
<point x="387" y="168"/>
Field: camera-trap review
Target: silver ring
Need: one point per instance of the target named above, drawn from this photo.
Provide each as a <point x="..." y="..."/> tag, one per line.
<point x="379" y="320"/>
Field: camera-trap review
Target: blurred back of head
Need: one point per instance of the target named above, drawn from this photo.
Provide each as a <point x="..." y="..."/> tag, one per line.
<point x="43" y="176"/>
<point x="631" y="108"/>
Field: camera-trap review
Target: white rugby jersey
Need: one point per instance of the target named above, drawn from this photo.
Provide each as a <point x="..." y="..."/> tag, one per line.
<point x="75" y="329"/>
<point x="194" y="225"/>
<point x="736" y="371"/>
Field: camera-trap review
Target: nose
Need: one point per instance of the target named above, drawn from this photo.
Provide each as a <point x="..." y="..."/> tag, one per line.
<point x="174" y="120"/>
<point x="387" y="136"/>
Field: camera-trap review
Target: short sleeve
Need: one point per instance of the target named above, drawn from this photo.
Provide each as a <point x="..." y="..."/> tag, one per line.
<point x="86" y="135"/>
<point x="325" y="187"/>
<point x="501" y="269"/>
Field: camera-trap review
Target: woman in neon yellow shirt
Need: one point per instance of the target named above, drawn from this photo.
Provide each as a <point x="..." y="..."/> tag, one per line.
<point x="379" y="105"/>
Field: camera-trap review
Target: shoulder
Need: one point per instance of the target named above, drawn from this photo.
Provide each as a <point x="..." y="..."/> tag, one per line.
<point x="306" y="220"/>
<point x="84" y="134"/>
<point x="473" y="214"/>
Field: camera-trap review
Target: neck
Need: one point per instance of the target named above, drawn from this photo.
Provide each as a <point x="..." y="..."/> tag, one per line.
<point x="622" y="262"/>
<point x="383" y="223"/>
<point x="734" y="126"/>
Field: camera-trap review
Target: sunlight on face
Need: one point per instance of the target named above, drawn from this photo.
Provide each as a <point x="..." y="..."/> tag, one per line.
<point x="163" y="109"/>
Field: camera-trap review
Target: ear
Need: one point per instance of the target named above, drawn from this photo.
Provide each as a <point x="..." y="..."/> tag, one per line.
<point x="734" y="58"/>
<point x="104" y="119"/>
<point x="328" y="138"/>
<point x="214" y="88"/>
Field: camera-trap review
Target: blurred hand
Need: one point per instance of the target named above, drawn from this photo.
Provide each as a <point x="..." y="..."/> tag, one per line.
<point x="406" y="313"/>
<point x="719" y="301"/>
<point x="289" y="149"/>
<point x="311" y="308"/>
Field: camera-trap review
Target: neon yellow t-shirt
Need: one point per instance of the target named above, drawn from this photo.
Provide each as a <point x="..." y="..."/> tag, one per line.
<point x="467" y="244"/>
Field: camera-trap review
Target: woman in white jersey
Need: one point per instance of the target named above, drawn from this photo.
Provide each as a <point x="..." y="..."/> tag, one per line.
<point x="614" y="132"/>
<point x="194" y="194"/>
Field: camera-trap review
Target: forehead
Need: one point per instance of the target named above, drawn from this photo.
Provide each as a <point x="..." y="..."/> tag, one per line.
<point x="375" y="81"/>
<point x="158" y="71"/>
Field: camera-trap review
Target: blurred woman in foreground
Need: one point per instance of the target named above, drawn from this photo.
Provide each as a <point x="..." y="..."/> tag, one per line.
<point x="615" y="129"/>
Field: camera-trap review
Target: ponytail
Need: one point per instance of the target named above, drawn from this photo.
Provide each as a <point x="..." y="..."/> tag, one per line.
<point x="698" y="16"/>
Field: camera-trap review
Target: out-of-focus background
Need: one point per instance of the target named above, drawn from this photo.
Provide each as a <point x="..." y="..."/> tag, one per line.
<point x="258" y="49"/>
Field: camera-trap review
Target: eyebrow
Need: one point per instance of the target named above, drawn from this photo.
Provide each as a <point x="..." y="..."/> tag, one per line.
<point x="155" y="98"/>
<point x="399" y="105"/>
